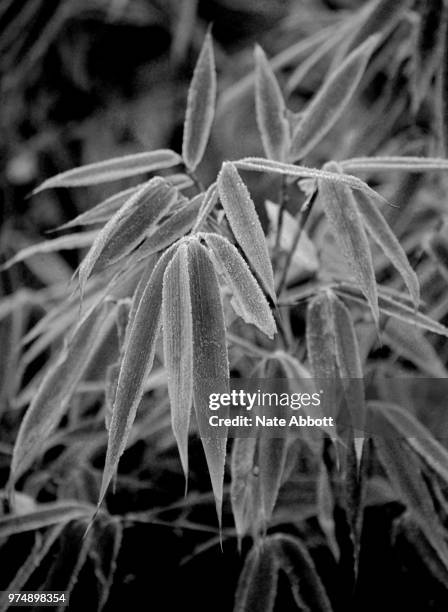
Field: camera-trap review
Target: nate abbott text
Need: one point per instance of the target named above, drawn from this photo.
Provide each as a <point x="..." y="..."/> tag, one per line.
<point x="263" y="421"/>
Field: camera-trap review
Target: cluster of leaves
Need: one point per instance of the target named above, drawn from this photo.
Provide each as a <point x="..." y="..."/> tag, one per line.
<point x="222" y="290"/>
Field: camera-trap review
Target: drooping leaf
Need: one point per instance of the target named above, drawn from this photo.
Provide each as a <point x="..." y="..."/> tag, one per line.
<point x="407" y="427"/>
<point x="251" y="300"/>
<point x="200" y="106"/>
<point x="178" y="347"/>
<point x="68" y="242"/>
<point x="270" y="109"/>
<point x="380" y="231"/>
<point x="346" y="224"/>
<point x="128" y="226"/>
<point x="350" y="369"/>
<point x="244" y="484"/>
<point x="57" y="387"/>
<point x="113" y="169"/>
<point x="175" y="227"/>
<point x="321" y="349"/>
<point x="330" y="101"/>
<point x="51" y="513"/>
<point x="392" y="307"/>
<point x="135" y="367"/>
<point x="294" y="560"/>
<point x="210" y="361"/>
<point x="257" y="585"/>
<point x="259" y="164"/>
<point x="209" y="201"/>
<point x="245" y="224"/>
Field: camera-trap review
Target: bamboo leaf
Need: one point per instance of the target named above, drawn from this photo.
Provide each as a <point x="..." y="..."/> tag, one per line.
<point x="390" y="306"/>
<point x="244" y="483"/>
<point x="380" y="231"/>
<point x="178" y="347"/>
<point x="350" y="369"/>
<point x="103" y="211"/>
<point x="251" y="300"/>
<point x="379" y="164"/>
<point x="330" y="101"/>
<point x="257" y="585"/>
<point x="113" y="169"/>
<point x="419" y="438"/>
<point x="346" y="223"/>
<point x="44" y="515"/>
<point x="270" y="109"/>
<point x="293" y="559"/>
<point x="245" y="224"/>
<point x="128" y="226"/>
<point x="63" y="243"/>
<point x="175" y="227"/>
<point x="136" y="365"/>
<point x="56" y="389"/>
<point x="200" y="106"/>
<point x="209" y="202"/>
<point x="210" y="362"/>
<point x="259" y="164"/>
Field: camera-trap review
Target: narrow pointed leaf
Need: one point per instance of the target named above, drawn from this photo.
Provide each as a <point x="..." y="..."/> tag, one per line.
<point x="175" y="227"/>
<point x="350" y="369"/>
<point x="408" y="164"/>
<point x="210" y="362"/>
<point x="346" y="223"/>
<point x="63" y="243"/>
<point x="178" y="347"/>
<point x="380" y="231"/>
<point x="113" y="169"/>
<point x="257" y="586"/>
<point x="135" y="368"/>
<point x="251" y="300"/>
<point x="321" y="349"/>
<point x="56" y="389"/>
<point x="399" y="310"/>
<point x="270" y="109"/>
<point x="245" y="224"/>
<point x="330" y="101"/>
<point x="128" y="226"/>
<point x="200" y="106"/>
<point x="259" y="164"/>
